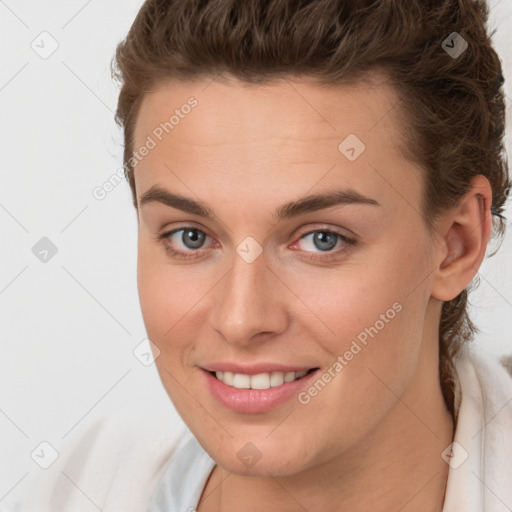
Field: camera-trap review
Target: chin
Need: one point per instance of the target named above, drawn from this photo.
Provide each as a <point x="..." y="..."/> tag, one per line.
<point x="260" y="458"/>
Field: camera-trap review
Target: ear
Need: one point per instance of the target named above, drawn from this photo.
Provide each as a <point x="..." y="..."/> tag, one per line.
<point x="463" y="234"/>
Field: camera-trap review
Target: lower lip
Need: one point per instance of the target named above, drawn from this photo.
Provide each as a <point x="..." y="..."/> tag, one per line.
<point x="255" y="400"/>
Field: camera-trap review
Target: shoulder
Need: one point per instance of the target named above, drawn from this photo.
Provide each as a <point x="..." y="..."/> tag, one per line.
<point x="484" y="384"/>
<point x="482" y="444"/>
<point x="506" y="361"/>
<point x="492" y="373"/>
<point x="114" y="463"/>
<point x="493" y="368"/>
<point x="490" y="368"/>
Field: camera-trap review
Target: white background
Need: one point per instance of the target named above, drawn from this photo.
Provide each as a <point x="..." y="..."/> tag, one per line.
<point x="68" y="327"/>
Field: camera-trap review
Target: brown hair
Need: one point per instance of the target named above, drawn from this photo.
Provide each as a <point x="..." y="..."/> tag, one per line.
<point x="453" y="104"/>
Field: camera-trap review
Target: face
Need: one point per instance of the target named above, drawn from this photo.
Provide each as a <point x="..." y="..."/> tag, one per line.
<point x="340" y="286"/>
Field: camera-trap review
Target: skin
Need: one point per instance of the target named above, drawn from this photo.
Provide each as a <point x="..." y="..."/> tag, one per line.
<point x="373" y="437"/>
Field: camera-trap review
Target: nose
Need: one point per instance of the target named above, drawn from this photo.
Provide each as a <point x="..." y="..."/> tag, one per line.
<point x="250" y="303"/>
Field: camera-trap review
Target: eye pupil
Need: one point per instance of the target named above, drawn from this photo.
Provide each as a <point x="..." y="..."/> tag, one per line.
<point x="325" y="241"/>
<point x="193" y="237"/>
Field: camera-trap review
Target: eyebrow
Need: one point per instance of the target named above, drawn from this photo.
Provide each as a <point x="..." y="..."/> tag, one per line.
<point x="291" y="209"/>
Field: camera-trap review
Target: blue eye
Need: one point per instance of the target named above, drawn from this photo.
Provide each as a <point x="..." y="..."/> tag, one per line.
<point x="192" y="240"/>
<point x="323" y="240"/>
<point x="194" y="237"/>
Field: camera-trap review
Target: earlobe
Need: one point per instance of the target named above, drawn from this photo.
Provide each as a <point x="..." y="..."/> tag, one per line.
<point x="464" y="234"/>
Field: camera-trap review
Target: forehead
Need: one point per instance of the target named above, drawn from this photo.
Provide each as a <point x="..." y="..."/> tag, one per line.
<point x="275" y="135"/>
<point x="287" y="108"/>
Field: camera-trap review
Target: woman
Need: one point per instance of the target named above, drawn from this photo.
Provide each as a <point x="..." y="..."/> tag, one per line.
<point x="315" y="184"/>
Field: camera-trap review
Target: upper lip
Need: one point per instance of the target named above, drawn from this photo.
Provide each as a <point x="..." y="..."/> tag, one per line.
<point x="254" y="369"/>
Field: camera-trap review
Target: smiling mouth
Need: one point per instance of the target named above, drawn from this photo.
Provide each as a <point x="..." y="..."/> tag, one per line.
<point x="264" y="380"/>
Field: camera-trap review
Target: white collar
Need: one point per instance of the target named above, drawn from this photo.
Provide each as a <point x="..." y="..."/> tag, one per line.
<point x="480" y="475"/>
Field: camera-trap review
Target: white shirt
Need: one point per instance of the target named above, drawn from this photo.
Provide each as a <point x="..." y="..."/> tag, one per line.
<point x="133" y="465"/>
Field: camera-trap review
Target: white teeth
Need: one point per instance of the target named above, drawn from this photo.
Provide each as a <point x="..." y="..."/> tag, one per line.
<point x="241" y="381"/>
<point x="227" y="378"/>
<point x="289" y="376"/>
<point x="259" y="381"/>
<point x="276" y="379"/>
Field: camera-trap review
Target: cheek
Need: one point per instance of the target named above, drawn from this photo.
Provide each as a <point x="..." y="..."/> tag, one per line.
<point x="374" y="308"/>
<point x="160" y="295"/>
<point x="376" y="327"/>
<point x="173" y="301"/>
<point x="347" y="299"/>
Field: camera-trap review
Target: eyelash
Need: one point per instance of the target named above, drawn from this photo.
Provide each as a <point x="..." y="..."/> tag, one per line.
<point x="328" y="256"/>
